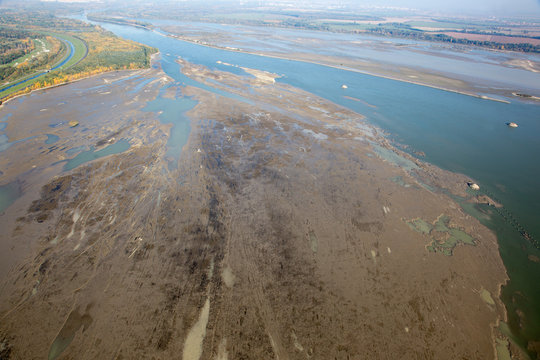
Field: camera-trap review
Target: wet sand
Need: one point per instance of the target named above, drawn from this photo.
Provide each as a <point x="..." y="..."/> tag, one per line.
<point x="282" y="233"/>
<point x="442" y="80"/>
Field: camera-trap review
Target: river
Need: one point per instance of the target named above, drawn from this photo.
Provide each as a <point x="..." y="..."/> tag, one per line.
<point x="42" y="73"/>
<point x="456" y="132"/>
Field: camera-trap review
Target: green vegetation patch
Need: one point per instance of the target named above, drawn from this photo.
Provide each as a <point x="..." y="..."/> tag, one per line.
<point x="444" y="237"/>
<point x="502" y="349"/>
<point x="47" y="52"/>
<point x="399" y="180"/>
<point x="486" y="297"/>
<point x="27" y="70"/>
<point x="79" y="45"/>
<point x="420" y="226"/>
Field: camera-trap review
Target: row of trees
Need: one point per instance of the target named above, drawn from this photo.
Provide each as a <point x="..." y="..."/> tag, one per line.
<point x="120" y="21"/>
<point x="12" y="50"/>
<point x="6" y="33"/>
<point x="39" y="19"/>
<point x="420" y="35"/>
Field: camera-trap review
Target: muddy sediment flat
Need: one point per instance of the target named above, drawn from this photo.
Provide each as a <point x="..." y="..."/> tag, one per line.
<point x="107" y="122"/>
<point x="441" y="66"/>
<point x="281" y="233"/>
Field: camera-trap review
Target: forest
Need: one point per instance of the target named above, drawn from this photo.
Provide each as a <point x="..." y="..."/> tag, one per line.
<point x="14" y="44"/>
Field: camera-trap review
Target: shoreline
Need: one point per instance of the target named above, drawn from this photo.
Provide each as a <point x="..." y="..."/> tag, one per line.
<point x="112" y="21"/>
<point x="76" y="80"/>
<point x="62" y="84"/>
<point x="428" y="167"/>
<point x="512" y="337"/>
<point x="148" y="182"/>
<point x="383" y="141"/>
<point x="483" y="97"/>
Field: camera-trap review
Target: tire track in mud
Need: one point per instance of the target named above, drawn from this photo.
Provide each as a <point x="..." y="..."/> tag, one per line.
<point x="262" y="250"/>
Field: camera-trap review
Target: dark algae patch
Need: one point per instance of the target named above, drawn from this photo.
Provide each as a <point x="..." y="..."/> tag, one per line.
<point x="51" y="194"/>
<point x="444" y="237"/>
<point x="5" y="349"/>
<point x="420" y="226"/>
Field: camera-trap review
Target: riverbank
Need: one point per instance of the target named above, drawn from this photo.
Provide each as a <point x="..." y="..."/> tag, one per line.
<point x="306" y="58"/>
<point x="153" y="59"/>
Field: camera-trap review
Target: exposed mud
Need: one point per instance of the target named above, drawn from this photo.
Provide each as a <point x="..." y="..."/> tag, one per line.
<point x="270" y="239"/>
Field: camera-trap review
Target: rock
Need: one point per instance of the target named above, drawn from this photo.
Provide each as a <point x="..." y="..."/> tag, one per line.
<point x="473" y="186"/>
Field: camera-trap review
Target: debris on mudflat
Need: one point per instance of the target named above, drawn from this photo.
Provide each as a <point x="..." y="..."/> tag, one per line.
<point x="473" y="186"/>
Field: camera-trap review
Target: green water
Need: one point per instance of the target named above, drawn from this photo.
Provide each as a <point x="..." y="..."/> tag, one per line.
<point x="86" y="156"/>
<point x="521" y="293"/>
<point x="455" y="236"/>
<point x="66" y="335"/>
<point x="8" y="194"/>
<point x="420" y="226"/>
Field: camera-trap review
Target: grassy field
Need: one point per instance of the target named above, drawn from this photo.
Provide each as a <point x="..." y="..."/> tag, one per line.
<point x="106" y="50"/>
<point x="78" y="44"/>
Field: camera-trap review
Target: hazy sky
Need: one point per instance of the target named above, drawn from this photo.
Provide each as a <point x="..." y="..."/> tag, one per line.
<point x="481" y="7"/>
